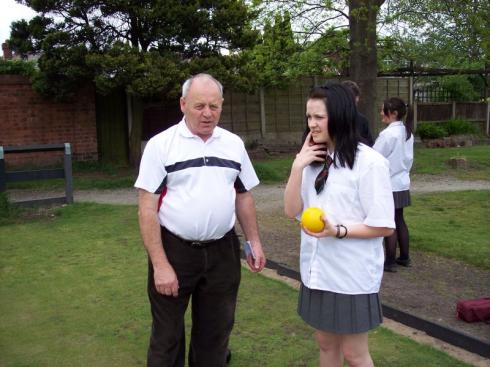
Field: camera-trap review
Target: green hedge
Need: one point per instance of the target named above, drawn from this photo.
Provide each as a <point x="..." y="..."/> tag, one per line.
<point x="460" y="127"/>
<point x="431" y="130"/>
<point x="17" y="67"/>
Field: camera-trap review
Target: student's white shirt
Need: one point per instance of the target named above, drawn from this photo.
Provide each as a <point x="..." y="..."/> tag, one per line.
<point x="393" y="145"/>
<point x="361" y="195"/>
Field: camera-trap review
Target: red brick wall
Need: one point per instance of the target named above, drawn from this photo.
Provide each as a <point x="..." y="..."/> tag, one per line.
<point x="27" y="118"/>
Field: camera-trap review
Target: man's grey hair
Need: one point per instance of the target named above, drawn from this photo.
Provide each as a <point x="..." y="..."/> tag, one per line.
<point x="187" y="84"/>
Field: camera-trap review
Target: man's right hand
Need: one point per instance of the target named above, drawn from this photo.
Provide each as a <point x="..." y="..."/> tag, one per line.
<point x="166" y="281"/>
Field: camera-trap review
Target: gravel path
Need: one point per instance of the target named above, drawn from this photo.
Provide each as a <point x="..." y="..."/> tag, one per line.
<point x="266" y="196"/>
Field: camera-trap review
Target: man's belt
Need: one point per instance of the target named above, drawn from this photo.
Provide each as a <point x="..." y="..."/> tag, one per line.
<point x="198" y="244"/>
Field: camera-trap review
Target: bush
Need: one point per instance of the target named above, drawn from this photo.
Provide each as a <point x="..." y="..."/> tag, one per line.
<point x="17" y="67"/>
<point x="459" y="127"/>
<point x="5" y="206"/>
<point x="430" y="131"/>
<point x="463" y="87"/>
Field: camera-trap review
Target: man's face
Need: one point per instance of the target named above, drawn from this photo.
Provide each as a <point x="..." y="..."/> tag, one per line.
<point x="202" y="107"/>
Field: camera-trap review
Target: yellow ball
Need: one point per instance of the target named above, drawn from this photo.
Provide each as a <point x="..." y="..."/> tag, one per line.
<point x="311" y="219"/>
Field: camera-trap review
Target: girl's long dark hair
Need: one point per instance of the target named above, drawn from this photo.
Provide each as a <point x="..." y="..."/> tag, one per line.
<point x="342" y="128"/>
<point x="397" y="106"/>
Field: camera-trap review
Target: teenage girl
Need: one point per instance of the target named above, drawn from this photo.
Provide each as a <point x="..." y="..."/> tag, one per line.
<point x="395" y="143"/>
<point x="341" y="266"/>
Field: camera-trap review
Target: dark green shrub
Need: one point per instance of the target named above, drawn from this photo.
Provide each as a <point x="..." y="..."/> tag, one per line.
<point x="459" y="127"/>
<point x="5" y="206"/>
<point x="17" y="67"/>
<point x="430" y="131"/>
<point x="252" y="144"/>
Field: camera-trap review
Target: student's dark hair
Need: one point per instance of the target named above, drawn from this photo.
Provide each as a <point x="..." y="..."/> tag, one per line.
<point x="397" y="105"/>
<point x="353" y="87"/>
<point x="342" y="127"/>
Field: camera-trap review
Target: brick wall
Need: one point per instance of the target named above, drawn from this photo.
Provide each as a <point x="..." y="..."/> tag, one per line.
<point x="27" y="118"/>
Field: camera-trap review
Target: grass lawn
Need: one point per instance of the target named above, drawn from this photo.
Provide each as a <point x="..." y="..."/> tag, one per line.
<point x="73" y="291"/>
<point x="434" y="161"/>
<point x="451" y="224"/>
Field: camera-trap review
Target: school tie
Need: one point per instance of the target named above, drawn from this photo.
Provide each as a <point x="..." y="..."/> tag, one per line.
<point x="323" y="175"/>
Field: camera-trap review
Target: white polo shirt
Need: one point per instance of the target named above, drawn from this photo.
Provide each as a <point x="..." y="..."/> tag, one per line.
<point x="360" y="195"/>
<point x="392" y="144"/>
<point x="197" y="180"/>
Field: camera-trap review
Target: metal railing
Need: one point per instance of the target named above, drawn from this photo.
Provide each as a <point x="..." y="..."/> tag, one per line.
<point x="39" y="174"/>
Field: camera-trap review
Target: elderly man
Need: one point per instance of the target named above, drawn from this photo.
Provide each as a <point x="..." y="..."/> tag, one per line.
<point x="194" y="180"/>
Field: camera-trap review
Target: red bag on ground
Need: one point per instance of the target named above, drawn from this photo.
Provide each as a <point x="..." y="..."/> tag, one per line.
<point x="472" y="310"/>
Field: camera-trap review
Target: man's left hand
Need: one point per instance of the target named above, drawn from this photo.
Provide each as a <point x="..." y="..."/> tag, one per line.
<point x="258" y="263"/>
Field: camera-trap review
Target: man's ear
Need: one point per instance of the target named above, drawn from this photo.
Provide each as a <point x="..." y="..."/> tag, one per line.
<point x="182" y="104"/>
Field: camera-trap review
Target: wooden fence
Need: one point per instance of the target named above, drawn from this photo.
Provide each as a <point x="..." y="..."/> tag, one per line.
<point x="475" y="112"/>
<point x="279" y="114"/>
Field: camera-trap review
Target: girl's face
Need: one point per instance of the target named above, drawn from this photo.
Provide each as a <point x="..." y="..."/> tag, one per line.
<point x="388" y="119"/>
<point x="316" y="113"/>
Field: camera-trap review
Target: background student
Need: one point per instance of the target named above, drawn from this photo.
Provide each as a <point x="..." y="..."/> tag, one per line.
<point x="395" y="143"/>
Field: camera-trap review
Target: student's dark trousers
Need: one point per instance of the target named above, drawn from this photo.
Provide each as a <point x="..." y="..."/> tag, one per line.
<point x="211" y="275"/>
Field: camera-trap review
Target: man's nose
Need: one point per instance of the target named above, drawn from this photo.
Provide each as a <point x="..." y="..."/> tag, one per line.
<point x="206" y="111"/>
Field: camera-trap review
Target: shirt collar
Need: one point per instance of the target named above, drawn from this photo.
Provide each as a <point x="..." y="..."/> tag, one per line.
<point x="396" y="123"/>
<point x="185" y="132"/>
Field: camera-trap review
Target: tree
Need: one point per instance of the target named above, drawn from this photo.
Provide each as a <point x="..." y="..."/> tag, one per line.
<point x="315" y="19"/>
<point x="363" y="60"/>
<point x="442" y="33"/>
<point x="281" y="57"/>
<point x="146" y="47"/>
<point x="270" y="60"/>
<point x="327" y="55"/>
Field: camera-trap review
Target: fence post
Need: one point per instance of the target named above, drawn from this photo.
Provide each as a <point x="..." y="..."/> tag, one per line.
<point x="487" y="118"/>
<point x="410" y="91"/>
<point x="262" y="113"/>
<point x="453" y="112"/>
<point x="68" y="174"/>
<point x="3" y="176"/>
<point x="415" y="117"/>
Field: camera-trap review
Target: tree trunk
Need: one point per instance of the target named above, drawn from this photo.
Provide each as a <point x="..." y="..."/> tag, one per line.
<point x="135" y="130"/>
<point x="363" y="67"/>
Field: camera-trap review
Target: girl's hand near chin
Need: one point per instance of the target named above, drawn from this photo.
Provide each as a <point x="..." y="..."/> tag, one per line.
<point x="310" y="152"/>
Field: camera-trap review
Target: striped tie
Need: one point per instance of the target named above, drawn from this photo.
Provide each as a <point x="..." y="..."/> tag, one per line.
<point x="323" y="175"/>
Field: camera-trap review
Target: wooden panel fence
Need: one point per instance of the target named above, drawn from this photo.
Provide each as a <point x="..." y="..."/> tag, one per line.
<point x="284" y="109"/>
<point x="475" y="112"/>
<point x="278" y="115"/>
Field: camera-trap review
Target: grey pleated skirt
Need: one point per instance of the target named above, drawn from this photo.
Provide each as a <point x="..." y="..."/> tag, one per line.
<point x="339" y="313"/>
<point x="402" y="199"/>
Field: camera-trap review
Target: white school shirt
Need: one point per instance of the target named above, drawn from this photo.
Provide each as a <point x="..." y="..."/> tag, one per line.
<point x="197" y="180"/>
<point x="361" y="195"/>
<point x="392" y="144"/>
